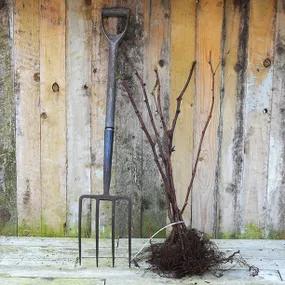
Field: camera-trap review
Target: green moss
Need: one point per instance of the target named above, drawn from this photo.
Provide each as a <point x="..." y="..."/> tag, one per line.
<point x="276" y="234"/>
<point x="252" y="231"/>
<point x="48" y="231"/>
<point x="8" y="205"/>
<point x="26" y="230"/>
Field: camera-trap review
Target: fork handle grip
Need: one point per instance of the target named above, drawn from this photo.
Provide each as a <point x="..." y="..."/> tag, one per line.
<point x="115" y="12"/>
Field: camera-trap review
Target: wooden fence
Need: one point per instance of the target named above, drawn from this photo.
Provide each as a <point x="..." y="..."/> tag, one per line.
<point x="53" y="72"/>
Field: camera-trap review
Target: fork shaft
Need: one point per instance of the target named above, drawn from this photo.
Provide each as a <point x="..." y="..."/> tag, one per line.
<point x="97" y="230"/>
<point x="108" y="153"/>
<point x="113" y="231"/>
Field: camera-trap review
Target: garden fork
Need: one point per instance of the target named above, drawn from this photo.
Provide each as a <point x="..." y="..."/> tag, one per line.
<point x="113" y="40"/>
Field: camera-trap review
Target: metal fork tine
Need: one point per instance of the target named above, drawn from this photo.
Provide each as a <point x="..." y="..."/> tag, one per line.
<point x="97" y="230"/>
<point x="113" y="231"/>
<point x="130" y="231"/>
<point x="79" y="227"/>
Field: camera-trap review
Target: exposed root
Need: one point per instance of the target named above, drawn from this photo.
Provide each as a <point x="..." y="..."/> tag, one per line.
<point x="195" y="254"/>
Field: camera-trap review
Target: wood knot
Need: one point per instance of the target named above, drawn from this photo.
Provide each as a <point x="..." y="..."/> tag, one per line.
<point x="37" y="77"/>
<point x="55" y="87"/>
<point x="161" y="62"/>
<point x="267" y="62"/>
<point x="44" y="115"/>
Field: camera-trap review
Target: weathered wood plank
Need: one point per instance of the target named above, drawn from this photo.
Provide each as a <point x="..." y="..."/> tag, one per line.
<point x="27" y="81"/>
<point x="232" y="145"/>
<point x="225" y="203"/>
<point x="53" y="117"/>
<point x="182" y="53"/>
<point x="203" y="194"/>
<point x="257" y="115"/>
<point x="78" y="76"/>
<point x="276" y="181"/>
<point x="156" y="55"/>
<point x="128" y="144"/>
<point x="8" y="199"/>
<point x="50" y="281"/>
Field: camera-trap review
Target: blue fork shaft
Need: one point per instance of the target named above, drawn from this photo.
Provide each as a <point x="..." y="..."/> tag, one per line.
<point x="108" y="153"/>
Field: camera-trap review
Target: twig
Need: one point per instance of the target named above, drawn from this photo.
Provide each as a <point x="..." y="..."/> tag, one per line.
<point x="143" y="126"/>
<point x="158" y="103"/>
<point x="178" y="101"/>
<point x="158" y="140"/>
<point x="213" y="73"/>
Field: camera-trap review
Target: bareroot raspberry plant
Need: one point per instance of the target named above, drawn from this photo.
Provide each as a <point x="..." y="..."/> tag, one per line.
<point x="185" y="251"/>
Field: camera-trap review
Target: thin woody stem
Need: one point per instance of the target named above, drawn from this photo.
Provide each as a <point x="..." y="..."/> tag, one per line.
<point x="143" y="126"/>
<point x="213" y="73"/>
<point x="158" y="140"/>
<point x="179" y="100"/>
<point x="158" y="103"/>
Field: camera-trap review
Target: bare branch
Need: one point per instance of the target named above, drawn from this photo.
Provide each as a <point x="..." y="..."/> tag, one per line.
<point x="179" y="99"/>
<point x="213" y="73"/>
<point x="143" y="126"/>
<point x="158" y="139"/>
<point x="158" y="102"/>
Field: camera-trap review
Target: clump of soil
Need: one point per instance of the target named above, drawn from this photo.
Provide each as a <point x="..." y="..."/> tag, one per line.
<point x="190" y="254"/>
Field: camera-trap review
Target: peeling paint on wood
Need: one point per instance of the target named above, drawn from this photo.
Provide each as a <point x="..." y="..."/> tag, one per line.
<point x="8" y="207"/>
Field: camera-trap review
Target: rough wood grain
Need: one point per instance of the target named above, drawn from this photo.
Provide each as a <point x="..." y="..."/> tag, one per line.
<point x="27" y="92"/>
<point x="257" y="114"/>
<point x="53" y="117"/>
<point x="128" y="142"/>
<point x="8" y="207"/>
<point x="156" y="55"/>
<point x="276" y="181"/>
<point x="233" y="160"/>
<point x="203" y="195"/>
<point x="225" y="224"/>
<point x="78" y="79"/>
<point x="182" y="53"/>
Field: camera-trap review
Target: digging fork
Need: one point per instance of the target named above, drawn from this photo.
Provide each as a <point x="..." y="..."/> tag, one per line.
<point x="113" y="40"/>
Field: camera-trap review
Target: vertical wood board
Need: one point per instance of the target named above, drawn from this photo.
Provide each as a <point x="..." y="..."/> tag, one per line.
<point x="203" y="196"/>
<point x="276" y="181"/>
<point x="228" y="100"/>
<point x="156" y="55"/>
<point x="182" y="54"/>
<point x="128" y="134"/>
<point x="8" y="199"/>
<point x="257" y="116"/>
<point x="78" y="93"/>
<point x="53" y="117"/>
<point x="27" y="92"/>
